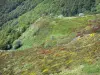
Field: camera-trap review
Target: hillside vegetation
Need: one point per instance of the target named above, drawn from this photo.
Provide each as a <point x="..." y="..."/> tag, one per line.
<point x="52" y="31"/>
<point x="47" y="37"/>
<point x="18" y="15"/>
<point x="62" y="53"/>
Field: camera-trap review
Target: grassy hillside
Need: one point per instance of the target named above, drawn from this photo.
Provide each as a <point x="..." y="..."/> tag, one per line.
<point x="47" y="37"/>
<point x="18" y="15"/>
<point x="52" y="31"/>
<point x="60" y="52"/>
<point x="63" y="60"/>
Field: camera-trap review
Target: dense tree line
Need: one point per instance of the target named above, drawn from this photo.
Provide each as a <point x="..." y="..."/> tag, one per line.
<point x="15" y="8"/>
<point x="74" y="7"/>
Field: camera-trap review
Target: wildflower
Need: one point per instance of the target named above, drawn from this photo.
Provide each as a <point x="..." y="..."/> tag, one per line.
<point x="78" y="38"/>
<point x="79" y="34"/>
<point x="92" y="34"/>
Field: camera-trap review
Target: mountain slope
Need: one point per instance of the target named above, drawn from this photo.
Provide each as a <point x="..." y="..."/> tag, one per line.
<point x="18" y="15"/>
<point x="50" y="31"/>
<point x="37" y="38"/>
<point x="55" y="48"/>
<point x="80" y="56"/>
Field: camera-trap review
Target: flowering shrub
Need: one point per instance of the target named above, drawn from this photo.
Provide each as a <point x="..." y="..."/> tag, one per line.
<point x="95" y="25"/>
<point x="79" y="34"/>
<point x="46" y="52"/>
<point x="92" y="34"/>
<point x="92" y="27"/>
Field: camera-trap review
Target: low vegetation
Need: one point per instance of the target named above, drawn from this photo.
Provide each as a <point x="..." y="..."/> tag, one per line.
<point x="38" y="37"/>
<point x="61" y="52"/>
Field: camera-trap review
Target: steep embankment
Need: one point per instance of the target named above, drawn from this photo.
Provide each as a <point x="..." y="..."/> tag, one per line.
<point x="78" y="56"/>
<point x="64" y="59"/>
